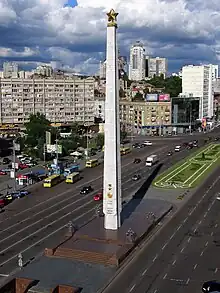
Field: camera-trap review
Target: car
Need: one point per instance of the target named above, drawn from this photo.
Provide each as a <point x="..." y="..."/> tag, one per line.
<point x="19" y="193"/>
<point x="177" y="148"/>
<point x="169" y="153"/>
<point x="218" y="196"/>
<point x="135" y="145"/>
<point x="23" y="166"/>
<point x="8" y="198"/>
<point x="2" y="172"/>
<point x="137" y="161"/>
<point x="98" y="196"/>
<point x="136" y="177"/>
<point x="6" y="161"/>
<point x="147" y="142"/>
<point x="86" y="190"/>
<point x="211" y="286"/>
<point x="2" y="203"/>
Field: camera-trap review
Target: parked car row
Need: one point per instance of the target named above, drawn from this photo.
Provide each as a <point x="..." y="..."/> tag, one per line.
<point x="9" y="197"/>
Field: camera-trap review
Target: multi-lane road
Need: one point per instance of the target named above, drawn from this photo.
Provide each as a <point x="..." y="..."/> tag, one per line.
<point x="30" y="224"/>
<point x="184" y="254"/>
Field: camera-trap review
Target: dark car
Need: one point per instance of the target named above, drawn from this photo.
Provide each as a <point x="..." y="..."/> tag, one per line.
<point x="135" y="145"/>
<point x="136" y="177"/>
<point x="18" y="194"/>
<point x="169" y="153"/>
<point x="6" y="161"/>
<point x="211" y="286"/>
<point x="137" y="161"/>
<point x="86" y="190"/>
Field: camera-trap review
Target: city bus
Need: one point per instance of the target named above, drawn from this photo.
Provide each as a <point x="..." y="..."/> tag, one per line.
<point x="72" y="178"/>
<point x="125" y="150"/>
<point x="92" y="163"/>
<point x="70" y="170"/>
<point x="52" y="180"/>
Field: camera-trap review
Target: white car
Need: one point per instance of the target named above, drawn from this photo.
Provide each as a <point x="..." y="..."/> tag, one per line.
<point x="147" y="142"/>
<point x="218" y="196"/>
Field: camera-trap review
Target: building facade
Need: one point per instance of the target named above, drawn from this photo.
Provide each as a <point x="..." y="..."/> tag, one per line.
<point x="99" y="109"/>
<point x="146" y="117"/>
<point x="10" y="69"/>
<point x="60" y="100"/>
<point x="198" y="81"/>
<point x="156" y="67"/>
<point x="137" y="62"/>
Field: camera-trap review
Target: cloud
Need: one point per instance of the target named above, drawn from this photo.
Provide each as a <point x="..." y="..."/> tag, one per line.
<point x="185" y="31"/>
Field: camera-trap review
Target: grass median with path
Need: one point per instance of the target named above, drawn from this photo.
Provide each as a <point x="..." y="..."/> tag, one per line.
<point x="189" y="172"/>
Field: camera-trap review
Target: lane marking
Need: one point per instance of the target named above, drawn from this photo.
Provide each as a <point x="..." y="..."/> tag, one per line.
<point x="69" y="191"/>
<point x="171" y="237"/>
<point x="155" y="257"/>
<point x="216" y="270"/>
<point x="132" y="288"/>
<point x="201" y="254"/>
<point x="188" y="280"/>
<point x="164" y="246"/>
<point x="182" y="249"/>
<point x="212" y="234"/>
<point x="185" y="220"/>
<point x="205" y="215"/>
<point x="144" y="272"/>
<point x="164" y="277"/>
<point x="195" y="230"/>
<point x="207" y="243"/>
<point x="189" y="239"/>
<point x="44" y="218"/>
<point x="44" y="238"/>
<point x="216" y="225"/>
<point x="180" y="226"/>
<point x="174" y="262"/>
<point x="195" y="266"/>
<point x="45" y="227"/>
<point x="200" y="222"/>
<point x="3" y="275"/>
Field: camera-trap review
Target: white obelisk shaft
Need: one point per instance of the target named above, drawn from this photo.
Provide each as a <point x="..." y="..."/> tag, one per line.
<point x="112" y="157"/>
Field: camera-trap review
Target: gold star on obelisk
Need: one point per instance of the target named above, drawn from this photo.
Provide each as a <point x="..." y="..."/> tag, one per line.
<point x="112" y="18"/>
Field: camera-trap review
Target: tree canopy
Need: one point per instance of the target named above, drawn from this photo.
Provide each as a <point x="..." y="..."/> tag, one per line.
<point x="172" y="84"/>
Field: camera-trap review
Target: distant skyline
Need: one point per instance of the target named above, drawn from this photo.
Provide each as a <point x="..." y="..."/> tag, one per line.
<point x="184" y="31"/>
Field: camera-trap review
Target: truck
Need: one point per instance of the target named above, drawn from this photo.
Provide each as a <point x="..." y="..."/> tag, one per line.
<point x="151" y="160"/>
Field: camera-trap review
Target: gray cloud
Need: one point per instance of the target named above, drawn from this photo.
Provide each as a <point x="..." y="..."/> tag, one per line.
<point x="43" y="30"/>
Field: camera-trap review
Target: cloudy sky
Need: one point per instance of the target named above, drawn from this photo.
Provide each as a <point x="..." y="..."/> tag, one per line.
<point x="184" y="31"/>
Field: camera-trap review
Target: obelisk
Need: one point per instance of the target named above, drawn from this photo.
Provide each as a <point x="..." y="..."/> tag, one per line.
<point x="112" y="157"/>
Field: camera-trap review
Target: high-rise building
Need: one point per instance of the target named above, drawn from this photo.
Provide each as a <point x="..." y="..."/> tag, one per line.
<point x="60" y="100"/>
<point x="10" y="69"/>
<point x="156" y="66"/>
<point x="198" y="82"/>
<point x="137" y="62"/>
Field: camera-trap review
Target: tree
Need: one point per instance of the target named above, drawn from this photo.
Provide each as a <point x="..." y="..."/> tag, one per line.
<point x="172" y="85"/>
<point x="100" y="140"/>
<point x="35" y="129"/>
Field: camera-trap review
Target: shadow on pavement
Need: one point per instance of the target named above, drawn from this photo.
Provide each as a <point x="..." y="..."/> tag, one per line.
<point x="130" y="207"/>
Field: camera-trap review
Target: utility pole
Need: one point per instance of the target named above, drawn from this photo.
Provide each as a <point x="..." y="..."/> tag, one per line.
<point x="190" y="118"/>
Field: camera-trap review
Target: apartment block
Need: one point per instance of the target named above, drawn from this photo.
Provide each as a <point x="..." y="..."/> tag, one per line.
<point x="146" y="117"/>
<point x="60" y="100"/>
<point x="156" y="67"/>
<point x="198" y="81"/>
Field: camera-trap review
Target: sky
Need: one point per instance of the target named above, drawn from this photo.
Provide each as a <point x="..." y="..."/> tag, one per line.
<point x="74" y="33"/>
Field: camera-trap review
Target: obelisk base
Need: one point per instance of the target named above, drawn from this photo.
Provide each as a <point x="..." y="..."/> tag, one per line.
<point x="112" y="222"/>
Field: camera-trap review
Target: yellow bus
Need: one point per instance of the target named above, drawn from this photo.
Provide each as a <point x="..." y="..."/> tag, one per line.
<point x="92" y="163"/>
<point x="125" y="150"/>
<point x="52" y="180"/>
<point x="73" y="177"/>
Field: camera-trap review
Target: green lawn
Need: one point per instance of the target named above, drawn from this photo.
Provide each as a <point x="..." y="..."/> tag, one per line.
<point x="194" y="164"/>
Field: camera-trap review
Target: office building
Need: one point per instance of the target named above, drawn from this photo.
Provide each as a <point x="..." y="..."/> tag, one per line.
<point x="156" y="67"/>
<point x="146" y="117"/>
<point x="61" y="100"/>
<point x="137" y="62"/>
<point x="198" y="82"/>
<point x="10" y="69"/>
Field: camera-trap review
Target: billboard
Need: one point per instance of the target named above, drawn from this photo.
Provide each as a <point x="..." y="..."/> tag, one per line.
<point x="151" y="97"/>
<point x="164" y="98"/>
<point x="53" y="148"/>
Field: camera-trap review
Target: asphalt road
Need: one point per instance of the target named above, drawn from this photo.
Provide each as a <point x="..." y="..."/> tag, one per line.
<point x="184" y="254"/>
<point x="30" y="224"/>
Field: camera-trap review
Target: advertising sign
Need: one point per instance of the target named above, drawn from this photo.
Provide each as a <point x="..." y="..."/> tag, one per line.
<point x="151" y="97"/>
<point x="53" y="148"/>
<point x="164" y="98"/>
